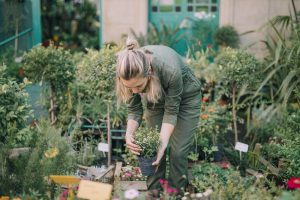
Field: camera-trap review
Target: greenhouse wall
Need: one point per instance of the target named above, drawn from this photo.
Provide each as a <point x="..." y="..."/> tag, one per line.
<point x="251" y="15"/>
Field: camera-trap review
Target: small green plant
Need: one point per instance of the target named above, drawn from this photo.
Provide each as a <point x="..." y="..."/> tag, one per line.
<point x="227" y="36"/>
<point x="149" y="141"/>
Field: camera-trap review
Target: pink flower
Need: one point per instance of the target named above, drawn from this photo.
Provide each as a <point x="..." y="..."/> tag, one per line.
<point x="171" y="190"/>
<point x="128" y="174"/>
<point x="162" y="181"/>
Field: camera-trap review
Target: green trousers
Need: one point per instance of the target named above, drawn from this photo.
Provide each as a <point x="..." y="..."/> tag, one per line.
<point x="180" y="142"/>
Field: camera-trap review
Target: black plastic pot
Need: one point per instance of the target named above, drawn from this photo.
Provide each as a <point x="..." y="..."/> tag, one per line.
<point x="146" y="166"/>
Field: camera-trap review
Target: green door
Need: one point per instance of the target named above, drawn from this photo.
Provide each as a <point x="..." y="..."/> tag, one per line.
<point x="198" y="19"/>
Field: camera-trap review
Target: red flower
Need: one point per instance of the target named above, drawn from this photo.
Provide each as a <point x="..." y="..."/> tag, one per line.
<point x="205" y="99"/>
<point x="294" y="183"/>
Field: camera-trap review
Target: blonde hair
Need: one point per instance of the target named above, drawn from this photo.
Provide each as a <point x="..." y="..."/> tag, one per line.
<point x="134" y="63"/>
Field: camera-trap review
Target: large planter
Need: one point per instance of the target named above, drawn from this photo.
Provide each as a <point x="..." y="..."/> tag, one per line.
<point x="146" y="166"/>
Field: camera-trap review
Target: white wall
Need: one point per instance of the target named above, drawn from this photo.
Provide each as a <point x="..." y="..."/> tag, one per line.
<point x="118" y="16"/>
<point x="247" y="15"/>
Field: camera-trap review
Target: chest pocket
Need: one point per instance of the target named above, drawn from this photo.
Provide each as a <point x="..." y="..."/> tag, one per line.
<point x="191" y="84"/>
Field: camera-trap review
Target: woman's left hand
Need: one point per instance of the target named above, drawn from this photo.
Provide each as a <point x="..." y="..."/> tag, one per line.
<point x="160" y="154"/>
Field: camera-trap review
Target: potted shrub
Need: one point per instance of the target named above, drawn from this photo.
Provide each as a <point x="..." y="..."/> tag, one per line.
<point x="148" y="140"/>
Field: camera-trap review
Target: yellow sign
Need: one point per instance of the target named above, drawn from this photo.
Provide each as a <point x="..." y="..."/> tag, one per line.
<point x="94" y="190"/>
<point x="65" y="180"/>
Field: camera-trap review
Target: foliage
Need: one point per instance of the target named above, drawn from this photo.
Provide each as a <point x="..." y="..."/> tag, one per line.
<point x="214" y="121"/>
<point x="164" y="35"/>
<point x="149" y="141"/>
<point x="95" y="81"/>
<point x="77" y="26"/>
<point x="202" y="34"/>
<point x="207" y="174"/>
<point x="228" y="184"/>
<point x="130" y="158"/>
<point x="227" y="36"/>
<point x="14" y="109"/>
<point x="52" y="65"/>
<point x="49" y="154"/>
<point x="284" y="147"/>
<point x="13" y="69"/>
<point x="202" y="66"/>
<point x="237" y="69"/>
<point x="281" y="84"/>
<point x="85" y="146"/>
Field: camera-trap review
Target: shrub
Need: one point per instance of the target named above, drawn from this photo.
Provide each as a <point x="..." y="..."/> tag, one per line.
<point x="14" y="109"/>
<point x="227" y="36"/>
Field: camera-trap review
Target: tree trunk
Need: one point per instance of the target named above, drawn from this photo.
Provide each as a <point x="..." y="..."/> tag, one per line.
<point x="52" y="105"/>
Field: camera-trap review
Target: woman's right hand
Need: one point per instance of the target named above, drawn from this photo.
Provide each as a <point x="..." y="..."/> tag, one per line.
<point x="135" y="149"/>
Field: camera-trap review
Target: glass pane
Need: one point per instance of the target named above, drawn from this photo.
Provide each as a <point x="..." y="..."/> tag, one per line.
<point x="190" y="1"/>
<point x="154" y="8"/>
<point x="155" y="2"/>
<point x="178" y="2"/>
<point x="214" y="1"/>
<point x="202" y="1"/>
<point x="190" y="8"/>
<point x="177" y="8"/>
<point x="166" y="8"/>
<point x="166" y="2"/>
<point x="201" y="9"/>
<point x="214" y="9"/>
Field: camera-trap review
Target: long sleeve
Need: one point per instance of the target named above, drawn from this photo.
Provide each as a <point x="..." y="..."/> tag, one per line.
<point x="135" y="108"/>
<point x="173" y="98"/>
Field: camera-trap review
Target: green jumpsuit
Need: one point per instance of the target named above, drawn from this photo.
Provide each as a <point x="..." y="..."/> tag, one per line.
<point x="179" y="105"/>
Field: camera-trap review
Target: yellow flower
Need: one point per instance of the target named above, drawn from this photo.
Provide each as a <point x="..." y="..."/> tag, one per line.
<point x="51" y="153"/>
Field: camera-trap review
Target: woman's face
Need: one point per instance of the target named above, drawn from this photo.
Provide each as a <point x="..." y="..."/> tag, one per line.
<point x="136" y="85"/>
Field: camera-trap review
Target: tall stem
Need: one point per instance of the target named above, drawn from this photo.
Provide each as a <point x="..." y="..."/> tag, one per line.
<point x="234" y="114"/>
<point x="108" y="135"/>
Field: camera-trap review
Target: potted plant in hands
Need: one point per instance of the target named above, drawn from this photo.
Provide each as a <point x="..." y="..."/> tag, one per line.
<point x="149" y="142"/>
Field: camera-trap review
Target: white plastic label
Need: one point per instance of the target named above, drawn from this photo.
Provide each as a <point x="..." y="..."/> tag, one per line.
<point x="103" y="147"/>
<point x="241" y="147"/>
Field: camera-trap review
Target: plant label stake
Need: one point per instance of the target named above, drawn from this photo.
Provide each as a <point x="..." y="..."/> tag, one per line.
<point x="241" y="147"/>
<point x="103" y="147"/>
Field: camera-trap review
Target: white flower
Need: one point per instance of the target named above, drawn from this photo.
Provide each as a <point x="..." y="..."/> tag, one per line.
<point x="131" y="194"/>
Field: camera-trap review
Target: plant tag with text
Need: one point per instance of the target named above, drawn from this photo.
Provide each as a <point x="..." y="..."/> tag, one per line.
<point x="94" y="190"/>
<point x="103" y="147"/>
<point x="241" y="147"/>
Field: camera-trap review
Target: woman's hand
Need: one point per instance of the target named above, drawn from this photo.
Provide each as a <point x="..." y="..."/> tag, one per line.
<point x="160" y="154"/>
<point x="165" y="134"/>
<point x="132" y="126"/>
<point x="135" y="149"/>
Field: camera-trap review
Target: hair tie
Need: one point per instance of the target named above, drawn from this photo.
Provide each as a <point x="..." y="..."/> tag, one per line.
<point x="130" y="46"/>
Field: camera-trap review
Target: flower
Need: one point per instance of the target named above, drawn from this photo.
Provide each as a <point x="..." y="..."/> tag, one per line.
<point x="205" y="99"/>
<point x="131" y="194"/>
<point x="51" y="153"/>
<point x="211" y="110"/>
<point x="294" y="183"/>
<point x="204" y="116"/>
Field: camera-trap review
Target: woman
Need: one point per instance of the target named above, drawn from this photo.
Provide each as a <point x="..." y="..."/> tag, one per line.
<point x="155" y="79"/>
